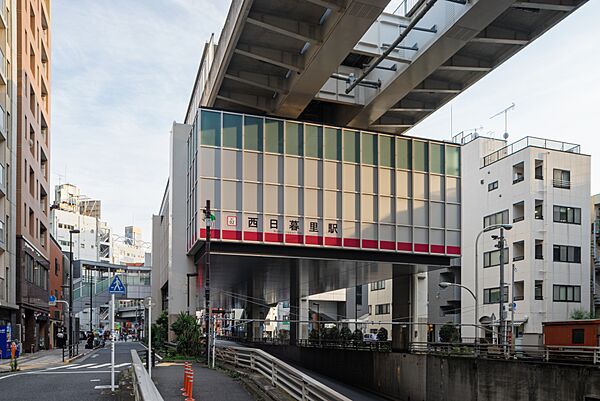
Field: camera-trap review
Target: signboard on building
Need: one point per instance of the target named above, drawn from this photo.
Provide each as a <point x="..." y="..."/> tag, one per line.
<point x="285" y="182"/>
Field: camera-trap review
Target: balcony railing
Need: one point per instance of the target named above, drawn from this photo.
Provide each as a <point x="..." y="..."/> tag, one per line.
<point x="517" y="219"/>
<point x="530" y="141"/>
<point x="518" y="258"/>
<point x="563" y="184"/>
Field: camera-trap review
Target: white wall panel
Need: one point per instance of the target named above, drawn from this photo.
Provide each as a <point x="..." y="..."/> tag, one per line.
<point x="253" y="166"/>
<point x="274" y="168"/>
<point x="233" y="160"/>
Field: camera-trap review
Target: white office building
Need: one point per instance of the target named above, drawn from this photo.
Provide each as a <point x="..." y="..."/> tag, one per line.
<point x="542" y="188"/>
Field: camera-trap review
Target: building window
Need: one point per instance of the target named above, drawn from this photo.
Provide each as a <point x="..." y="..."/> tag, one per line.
<point x="539" y="290"/>
<point x="56" y="266"/>
<point x="567" y="293"/>
<point x="453" y="160"/>
<point x="492" y="295"/>
<point x="351" y="146"/>
<point x="420" y="156"/>
<point x="492" y="186"/>
<point x="577" y="336"/>
<point x="274" y="136"/>
<point x="404" y="154"/>
<point x="232" y="131"/>
<point x="518" y="172"/>
<point x="313" y="144"/>
<point x="210" y="126"/>
<point x="359" y="295"/>
<point x="386" y="151"/>
<point x="518" y="212"/>
<point x="539" y="169"/>
<point x="333" y="144"/>
<point x="569" y="215"/>
<point x="492" y="258"/>
<point x="518" y="251"/>
<point x="370" y="310"/>
<point x="369" y="149"/>
<point x="436" y="158"/>
<point x="378" y="285"/>
<point x="568" y="254"/>
<point x="562" y="179"/>
<point x="253" y="133"/>
<point x="382" y="309"/>
<point x="496" y="218"/>
<point x="539" y="209"/>
<point x="519" y="293"/>
<point x="539" y="249"/>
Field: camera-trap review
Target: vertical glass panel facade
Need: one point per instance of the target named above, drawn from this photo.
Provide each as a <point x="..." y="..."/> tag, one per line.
<point x="314" y="141"/>
<point x="232" y="131"/>
<point x="386" y="151"/>
<point x="293" y="138"/>
<point x="453" y="160"/>
<point x="369" y="149"/>
<point x="437" y="158"/>
<point x="351" y="146"/>
<point x="420" y="156"/>
<point x="210" y="127"/>
<point x="253" y="133"/>
<point x="404" y="154"/>
<point x="273" y="136"/>
<point x="333" y="144"/>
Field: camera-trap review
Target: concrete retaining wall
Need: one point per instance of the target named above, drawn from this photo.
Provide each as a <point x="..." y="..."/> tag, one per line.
<point x="409" y="377"/>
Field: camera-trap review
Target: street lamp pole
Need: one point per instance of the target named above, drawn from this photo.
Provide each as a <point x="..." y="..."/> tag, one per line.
<point x="208" y="314"/>
<point x="71" y="331"/>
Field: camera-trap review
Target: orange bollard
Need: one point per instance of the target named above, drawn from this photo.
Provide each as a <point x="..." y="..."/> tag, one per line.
<point x="191" y="387"/>
<point x="186" y="377"/>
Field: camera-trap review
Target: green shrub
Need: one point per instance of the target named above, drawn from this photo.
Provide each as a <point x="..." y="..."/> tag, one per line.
<point x="187" y="335"/>
<point x="449" y="333"/>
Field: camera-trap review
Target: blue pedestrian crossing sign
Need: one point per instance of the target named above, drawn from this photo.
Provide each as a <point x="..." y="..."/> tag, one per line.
<point x="116" y="287"/>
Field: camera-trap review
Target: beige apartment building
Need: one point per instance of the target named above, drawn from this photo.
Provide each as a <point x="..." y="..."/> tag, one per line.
<point x="8" y="146"/>
<point x="33" y="153"/>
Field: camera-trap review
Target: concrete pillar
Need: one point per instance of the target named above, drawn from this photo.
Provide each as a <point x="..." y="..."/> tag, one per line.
<point x="401" y="308"/>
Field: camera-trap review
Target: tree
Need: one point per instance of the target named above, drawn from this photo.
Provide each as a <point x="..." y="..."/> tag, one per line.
<point x="187" y="335"/>
<point x="160" y="330"/>
<point x="345" y="334"/>
<point x="382" y="334"/>
<point x="332" y="333"/>
<point x="313" y="336"/>
<point x="357" y="336"/>
<point x="449" y="333"/>
<point x="580" y="314"/>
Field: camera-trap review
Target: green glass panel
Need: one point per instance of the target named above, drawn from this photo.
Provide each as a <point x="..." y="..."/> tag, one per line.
<point x="232" y="131"/>
<point x="210" y="128"/>
<point x="253" y="133"/>
<point x="420" y="156"/>
<point x="333" y="144"/>
<point x="351" y="146"/>
<point x="437" y="158"/>
<point x="404" y="154"/>
<point x="369" y="149"/>
<point x="274" y="136"/>
<point x="452" y="160"/>
<point x="314" y="141"/>
<point x="293" y="138"/>
<point x="386" y="151"/>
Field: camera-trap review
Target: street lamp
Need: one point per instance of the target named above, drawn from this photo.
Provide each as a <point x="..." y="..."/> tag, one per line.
<point x="485" y="230"/>
<point x="71" y="331"/>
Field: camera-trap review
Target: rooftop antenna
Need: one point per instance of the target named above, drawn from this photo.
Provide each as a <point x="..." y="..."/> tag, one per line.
<point x="505" y="112"/>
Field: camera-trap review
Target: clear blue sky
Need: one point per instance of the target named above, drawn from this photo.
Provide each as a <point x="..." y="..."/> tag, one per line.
<point x="123" y="72"/>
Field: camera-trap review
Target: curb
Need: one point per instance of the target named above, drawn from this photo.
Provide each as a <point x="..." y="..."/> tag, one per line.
<point x="69" y="360"/>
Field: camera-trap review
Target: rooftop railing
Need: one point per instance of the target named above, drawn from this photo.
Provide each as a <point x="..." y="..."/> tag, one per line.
<point x="530" y="141"/>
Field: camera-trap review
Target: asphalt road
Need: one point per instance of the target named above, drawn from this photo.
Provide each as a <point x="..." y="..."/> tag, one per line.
<point x="76" y="381"/>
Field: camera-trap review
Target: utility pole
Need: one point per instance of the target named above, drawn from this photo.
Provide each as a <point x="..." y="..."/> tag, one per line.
<point x="501" y="327"/>
<point x="208" y="219"/>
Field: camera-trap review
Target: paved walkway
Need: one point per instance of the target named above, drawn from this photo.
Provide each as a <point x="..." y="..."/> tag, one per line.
<point x="41" y="359"/>
<point x="209" y="384"/>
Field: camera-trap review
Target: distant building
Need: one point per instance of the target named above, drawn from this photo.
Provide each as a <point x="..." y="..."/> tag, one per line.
<point x="595" y="264"/>
<point x="58" y="276"/>
<point x="542" y="188"/>
<point x="129" y="249"/>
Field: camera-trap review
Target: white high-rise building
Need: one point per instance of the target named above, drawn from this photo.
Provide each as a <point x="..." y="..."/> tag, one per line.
<point x="542" y="188"/>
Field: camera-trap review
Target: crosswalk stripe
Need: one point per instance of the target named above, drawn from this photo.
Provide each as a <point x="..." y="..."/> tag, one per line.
<point x="58" y="367"/>
<point x="98" y="366"/>
<point x="123" y="364"/>
<point x="80" y="366"/>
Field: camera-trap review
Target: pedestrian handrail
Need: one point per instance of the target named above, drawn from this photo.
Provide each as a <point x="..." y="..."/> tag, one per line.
<point x="544" y="353"/>
<point x="143" y="387"/>
<point x="297" y="384"/>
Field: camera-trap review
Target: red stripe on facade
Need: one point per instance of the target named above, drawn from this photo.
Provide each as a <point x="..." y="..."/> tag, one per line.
<point x="333" y="241"/>
<point x="369" y="243"/>
<point x="253" y="236"/>
<point x="313" y="240"/>
<point x="387" y="245"/>
<point x="453" y="250"/>
<point x="294" y="239"/>
<point x="216" y="234"/>
<point x="352" y="242"/>
<point x="232" y="234"/>
<point x="421" y="247"/>
<point x="437" y="249"/>
<point x="405" y="246"/>
<point x="273" y="237"/>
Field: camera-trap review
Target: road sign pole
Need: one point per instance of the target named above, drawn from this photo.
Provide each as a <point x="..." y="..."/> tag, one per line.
<point x="150" y="338"/>
<point x="112" y="346"/>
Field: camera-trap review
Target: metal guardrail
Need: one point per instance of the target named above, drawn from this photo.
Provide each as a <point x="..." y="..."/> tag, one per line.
<point x="297" y="384"/>
<point x="351" y="345"/>
<point x="143" y="387"/>
<point x="547" y="353"/>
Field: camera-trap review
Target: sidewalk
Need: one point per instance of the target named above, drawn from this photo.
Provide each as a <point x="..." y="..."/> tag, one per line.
<point x="42" y="359"/>
<point x="209" y="384"/>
